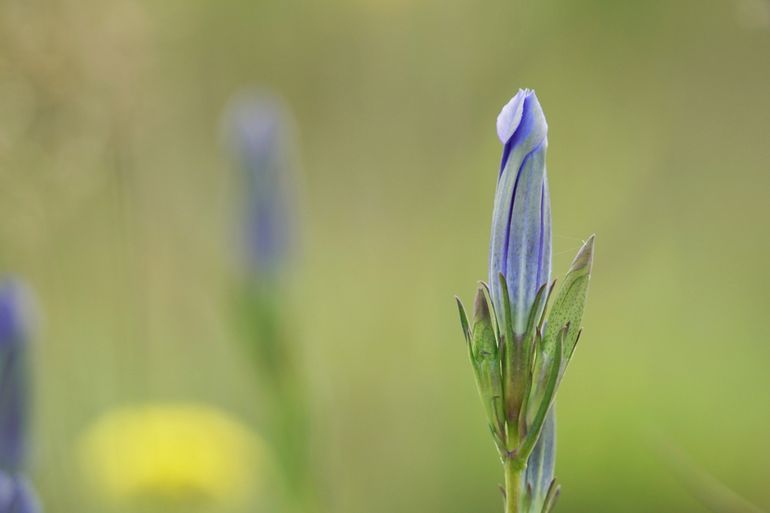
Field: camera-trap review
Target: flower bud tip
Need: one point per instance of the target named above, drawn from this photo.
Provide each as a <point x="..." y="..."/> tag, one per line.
<point x="480" y="306"/>
<point x="584" y="258"/>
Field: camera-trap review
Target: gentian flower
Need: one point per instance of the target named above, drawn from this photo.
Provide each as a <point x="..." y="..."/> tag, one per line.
<point x="520" y="349"/>
<point x="16" y="496"/>
<point x="257" y="130"/>
<point x="13" y="386"/>
<point x="258" y="134"/>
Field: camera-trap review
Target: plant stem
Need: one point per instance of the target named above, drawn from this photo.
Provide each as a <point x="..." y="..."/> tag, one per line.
<point x="514" y="477"/>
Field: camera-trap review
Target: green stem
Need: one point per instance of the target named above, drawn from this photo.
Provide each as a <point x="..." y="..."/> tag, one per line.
<point x="514" y="485"/>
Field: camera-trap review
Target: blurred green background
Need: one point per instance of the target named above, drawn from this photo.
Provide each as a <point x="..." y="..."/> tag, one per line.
<point x="117" y="205"/>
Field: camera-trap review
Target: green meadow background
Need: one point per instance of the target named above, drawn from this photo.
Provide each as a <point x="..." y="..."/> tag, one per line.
<point x="118" y="207"/>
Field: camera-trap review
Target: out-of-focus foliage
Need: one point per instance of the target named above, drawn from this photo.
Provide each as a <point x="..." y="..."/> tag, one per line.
<point x="117" y="202"/>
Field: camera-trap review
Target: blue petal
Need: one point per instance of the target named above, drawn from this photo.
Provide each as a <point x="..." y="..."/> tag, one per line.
<point x="520" y="245"/>
<point x="510" y="116"/>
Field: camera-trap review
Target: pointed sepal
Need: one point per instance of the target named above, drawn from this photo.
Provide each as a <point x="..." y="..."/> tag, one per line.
<point x="553" y="495"/>
<point x="569" y="303"/>
<point x="542" y="400"/>
<point x="463" y="320"/>
<point x="485" y="357"/>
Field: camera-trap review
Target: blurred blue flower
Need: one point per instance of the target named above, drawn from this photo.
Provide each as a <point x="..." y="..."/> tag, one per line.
<point x="14" y="313"/>
<point x="520" y="246"/>
<point x="258" y="134"/>
<point x="16" y="496"/>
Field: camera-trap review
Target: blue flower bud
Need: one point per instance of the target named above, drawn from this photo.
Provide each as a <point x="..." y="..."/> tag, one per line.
<point x="257" y="129"/>
<point x="542" y="461"/>
<point x="520" y="246"/>
<point x="530" y="347"/>
<point x="16" y="496"/>
<point x="13" y="390"/>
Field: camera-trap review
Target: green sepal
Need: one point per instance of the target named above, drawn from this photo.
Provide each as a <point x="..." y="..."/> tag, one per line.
<point x="513" y="379"/>
<point x="551" y="497"/>
<point x="533" y="322"/>
<point x="495" y="319"/>
<point x="499" y="442"/>
<point x="464" y="321"/>
<point x="544" y="398"/>
<point x="485" y="357"/>
<point x="568" y="305"/>
<point x="531" y="341"/>
<point x="528" y="498"/>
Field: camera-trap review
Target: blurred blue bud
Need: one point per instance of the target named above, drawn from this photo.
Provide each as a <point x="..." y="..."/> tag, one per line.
<point x="258" y="133"/>
<point x="14" y="313"/>
<point x="14" y="332"/>
<point x="16" y="496"/>
<point x="520" y="246"/>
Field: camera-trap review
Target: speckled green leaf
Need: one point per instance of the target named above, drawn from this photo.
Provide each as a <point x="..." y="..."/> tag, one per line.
<point x="567" y="309"/>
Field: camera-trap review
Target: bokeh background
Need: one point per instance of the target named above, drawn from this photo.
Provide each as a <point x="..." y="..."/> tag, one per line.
<point x="117" y="206"/>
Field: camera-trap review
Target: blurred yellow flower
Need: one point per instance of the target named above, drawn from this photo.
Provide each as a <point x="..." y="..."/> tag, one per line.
<point x="171" y="452"/>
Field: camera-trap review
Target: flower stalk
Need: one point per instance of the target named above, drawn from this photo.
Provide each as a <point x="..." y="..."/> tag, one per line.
<point x="518" y="346"/>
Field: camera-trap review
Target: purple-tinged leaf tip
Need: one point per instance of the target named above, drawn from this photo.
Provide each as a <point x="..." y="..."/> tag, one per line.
<point x="585" y="257"/>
